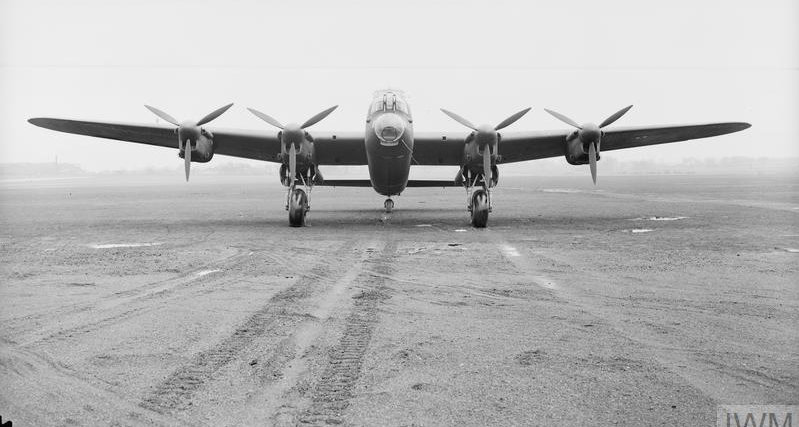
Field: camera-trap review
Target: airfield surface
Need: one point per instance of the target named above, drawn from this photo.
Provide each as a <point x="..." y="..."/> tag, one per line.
<point x="647" y="301"/>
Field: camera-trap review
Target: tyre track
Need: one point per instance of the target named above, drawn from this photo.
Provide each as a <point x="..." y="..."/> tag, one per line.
<point x="147" y="306"/>
<point x="142" y="299"/>
<point x="332" y="393"/>
<point x="129" y="296"/>
<point x="100" y="401"/>
<point x="276" y="318"/>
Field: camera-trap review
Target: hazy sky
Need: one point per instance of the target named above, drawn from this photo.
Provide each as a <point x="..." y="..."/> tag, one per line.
<point x="677" y="61"/>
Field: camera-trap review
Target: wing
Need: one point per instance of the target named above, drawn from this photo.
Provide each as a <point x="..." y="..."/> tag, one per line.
<point x="432" y="149"/>
<point x="346" y="148"/>
<point x="618" y="138"/>
<point x="521" y="146"/>
<point x="343" y="149"/>
<point x="429" y="148"/>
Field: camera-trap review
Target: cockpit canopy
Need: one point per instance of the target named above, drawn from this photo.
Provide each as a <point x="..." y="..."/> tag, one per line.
<point x="389" y="102"/>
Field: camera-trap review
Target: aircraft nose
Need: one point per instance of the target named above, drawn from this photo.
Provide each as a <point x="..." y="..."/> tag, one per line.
<point x="389" y="128"/>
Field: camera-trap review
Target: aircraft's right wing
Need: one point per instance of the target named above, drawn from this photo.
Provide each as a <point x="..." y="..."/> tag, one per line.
<point x="258" y="145"/>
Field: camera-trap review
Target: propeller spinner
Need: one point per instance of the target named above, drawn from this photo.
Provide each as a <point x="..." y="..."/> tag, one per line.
<point x="591" y="134"/>
<point x="188" y="131"/>
<point x="486" y="136"/>
<point x="293" y="134"/>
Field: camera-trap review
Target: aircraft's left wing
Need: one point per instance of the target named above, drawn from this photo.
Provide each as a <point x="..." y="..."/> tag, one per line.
<point x="521" y="146"/>
<point x="447" y="148"/>
<point x="340" y="149"/>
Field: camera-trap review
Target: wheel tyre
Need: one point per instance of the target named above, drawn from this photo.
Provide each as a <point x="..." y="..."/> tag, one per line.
<point x="479" y="209"/>
<point x="298" y="206"/>
<point x="389" y="205"/>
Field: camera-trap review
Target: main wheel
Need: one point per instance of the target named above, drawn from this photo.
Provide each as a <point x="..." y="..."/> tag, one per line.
<point x="298" y="206"/>
<point x="479" y="208"/>
<point x="389" y="205"/>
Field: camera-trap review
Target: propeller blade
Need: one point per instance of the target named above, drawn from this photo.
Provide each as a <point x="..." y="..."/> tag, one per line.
<point x="164" y="116"/>
<point x="187" y="159"/>
<point x="615" y="117"/>
<point x="214" y="114"/>
<point x="592" y="160"/>
<point x="293" y="163"/>
<point x="315" y="119"/>
<point x="459" y="119"/>
<point x="267" y="118"/>
<point x="509" y="121"/>
<point x="563" y="118"/>
<point x="487" y="165"/>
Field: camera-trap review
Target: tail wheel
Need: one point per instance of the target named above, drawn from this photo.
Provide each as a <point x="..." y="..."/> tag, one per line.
<point x="298" y="207"/>
<point x="479" y="208"/>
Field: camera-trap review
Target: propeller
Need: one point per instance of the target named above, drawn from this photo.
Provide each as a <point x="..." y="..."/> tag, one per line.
<point x="293" y="134"/>
<point x="486" y="136"/>
<point x="591" y="134"/>
<point x="188" y="130"/>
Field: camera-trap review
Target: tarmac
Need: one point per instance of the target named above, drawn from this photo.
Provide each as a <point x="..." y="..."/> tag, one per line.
<point x="135" y="300"/>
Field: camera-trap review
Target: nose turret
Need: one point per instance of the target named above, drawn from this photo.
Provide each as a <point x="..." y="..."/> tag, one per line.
<point x="389" y="128"/>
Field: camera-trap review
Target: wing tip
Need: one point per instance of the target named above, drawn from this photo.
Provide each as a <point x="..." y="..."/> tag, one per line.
<point x="39" y="121"/>
<point x="737" y="126"/>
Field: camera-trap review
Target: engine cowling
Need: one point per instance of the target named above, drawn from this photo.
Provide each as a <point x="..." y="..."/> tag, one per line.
<point x="202" y="150"/>
<point x="577" y="152"/>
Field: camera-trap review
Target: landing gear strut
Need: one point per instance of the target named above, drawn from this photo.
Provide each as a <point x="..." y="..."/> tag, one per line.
<point x="389" y="205"/>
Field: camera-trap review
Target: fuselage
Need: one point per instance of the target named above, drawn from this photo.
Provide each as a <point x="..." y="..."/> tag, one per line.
<point x="389" y="142"/>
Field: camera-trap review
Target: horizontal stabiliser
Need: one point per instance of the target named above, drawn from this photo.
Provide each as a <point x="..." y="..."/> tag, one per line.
<point x="367" y="183"/>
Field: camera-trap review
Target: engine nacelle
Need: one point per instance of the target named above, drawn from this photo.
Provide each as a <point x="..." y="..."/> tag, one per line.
<point x="577" y="152"/>
<point x="202" y="150"/>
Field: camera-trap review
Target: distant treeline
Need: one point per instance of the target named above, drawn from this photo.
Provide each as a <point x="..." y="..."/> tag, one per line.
<point x="545" y="167"/>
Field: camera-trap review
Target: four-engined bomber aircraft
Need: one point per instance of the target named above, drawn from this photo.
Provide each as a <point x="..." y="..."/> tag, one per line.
<point x="389" y="147"/>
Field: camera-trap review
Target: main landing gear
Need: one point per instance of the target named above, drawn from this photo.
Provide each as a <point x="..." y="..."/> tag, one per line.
<point x="478" y="202"/>
<point x="389" y="205"/>
<point x="298" y="207"/>
<point x="479" y="207"/>
<point x="298" y="204"/>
